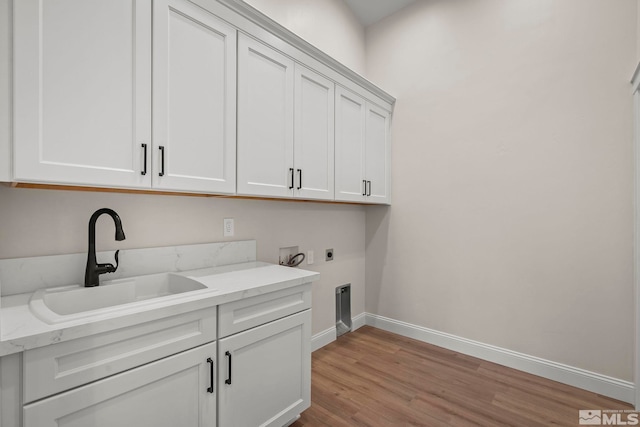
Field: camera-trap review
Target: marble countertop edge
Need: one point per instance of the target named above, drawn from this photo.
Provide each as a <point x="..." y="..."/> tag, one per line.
<point x="21" y="330"/>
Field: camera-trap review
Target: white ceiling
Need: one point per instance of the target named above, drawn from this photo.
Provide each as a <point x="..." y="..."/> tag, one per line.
<point x="371" y="11"/>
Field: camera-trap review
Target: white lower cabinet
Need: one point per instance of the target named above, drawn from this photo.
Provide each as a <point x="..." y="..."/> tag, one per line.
<point x="174" y="391"/>
<point x="157" y="373"/>
<point x="264" y="373"/>
<point x="57" y="368"/>
<point x="245" y="363"/>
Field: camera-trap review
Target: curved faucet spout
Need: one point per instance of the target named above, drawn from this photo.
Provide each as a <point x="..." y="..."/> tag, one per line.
<point x="94" y="270"/>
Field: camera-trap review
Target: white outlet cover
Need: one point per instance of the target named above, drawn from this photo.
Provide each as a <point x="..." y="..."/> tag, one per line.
<point x="229" y="227"/>
<point x="309" y="257"/>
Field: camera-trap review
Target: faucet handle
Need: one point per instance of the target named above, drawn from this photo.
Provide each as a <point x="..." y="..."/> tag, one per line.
<point x="108" y="267"/>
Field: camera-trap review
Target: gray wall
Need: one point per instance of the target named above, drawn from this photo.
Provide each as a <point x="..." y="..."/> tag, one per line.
<point x="512" y="216"/>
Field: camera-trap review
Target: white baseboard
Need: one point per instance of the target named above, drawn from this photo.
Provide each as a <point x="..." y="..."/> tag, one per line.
<point x="597" y="383"/>
<point x="358" y="321"/>
<point x="327" y="336"/>
<point x="577" y="377"/>
<point x="323" y="338"/>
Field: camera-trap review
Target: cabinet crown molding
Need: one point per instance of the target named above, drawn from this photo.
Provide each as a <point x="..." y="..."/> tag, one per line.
<point x="260" y="19"/>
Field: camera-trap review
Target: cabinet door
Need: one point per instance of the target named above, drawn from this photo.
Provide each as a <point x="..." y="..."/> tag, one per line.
<point x="82" y="91"/>
<point x="265" y="373"/>
<point x="265" y="120"/>
<point x="350" y="146"/>
<point x="194" y="99"/>
<point x="170" y="392"/>
<point x="378" y="155"/>
<point x="313" y="135"/>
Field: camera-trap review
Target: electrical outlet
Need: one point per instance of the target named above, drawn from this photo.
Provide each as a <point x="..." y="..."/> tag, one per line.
<point x="309" y="257"/>
<point x="328" y="255"/>
<point x="228" y="227"/>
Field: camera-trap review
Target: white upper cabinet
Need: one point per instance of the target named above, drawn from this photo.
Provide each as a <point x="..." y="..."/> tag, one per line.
<point x="350" y="146"/>
<point x="265" y="120"/>
<point x="83" y="95"/>
<point x="285" y="126"/>
<point x="377" y="154"/>
<point x="188" y="96"/>
<point x="194" y="99"/>
<point x="82" y="91"/>
<point x="363" y="150"/>
<point x="313" y="135"/>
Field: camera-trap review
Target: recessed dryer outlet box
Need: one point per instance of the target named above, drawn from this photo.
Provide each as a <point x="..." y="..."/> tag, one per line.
<point x="343" y="309"/>
<point x="286" y="254"/>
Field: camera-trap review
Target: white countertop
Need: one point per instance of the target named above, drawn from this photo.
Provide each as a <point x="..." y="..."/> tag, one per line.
<point x="21" y="330"/>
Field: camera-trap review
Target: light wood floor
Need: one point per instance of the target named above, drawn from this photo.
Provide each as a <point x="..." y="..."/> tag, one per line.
<point x="370" y="377"/>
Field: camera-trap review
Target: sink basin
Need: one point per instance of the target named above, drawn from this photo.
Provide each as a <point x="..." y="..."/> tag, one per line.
<point x="76" y="302"/>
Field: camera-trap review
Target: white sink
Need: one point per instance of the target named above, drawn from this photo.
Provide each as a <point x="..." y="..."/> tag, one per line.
<point x="69" y="303"/>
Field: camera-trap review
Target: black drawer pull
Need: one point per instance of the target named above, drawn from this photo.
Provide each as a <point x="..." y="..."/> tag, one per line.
<point x="210" y="362"/>
<point x="228" y="380"/>
<point x="161" y="173"/>
<point x="144" y="168"/>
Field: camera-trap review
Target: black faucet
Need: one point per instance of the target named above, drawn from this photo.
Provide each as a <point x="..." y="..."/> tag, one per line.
<point x="94" y="270"/>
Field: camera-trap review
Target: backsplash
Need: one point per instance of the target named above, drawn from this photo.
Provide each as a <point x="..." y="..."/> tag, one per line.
<point x="22" y="275"/>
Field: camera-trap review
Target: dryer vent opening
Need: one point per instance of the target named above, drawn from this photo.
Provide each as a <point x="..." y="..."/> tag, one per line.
<point x="343" y="309"/>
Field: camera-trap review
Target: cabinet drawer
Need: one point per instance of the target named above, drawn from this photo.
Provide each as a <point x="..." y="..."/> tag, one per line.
<point x="174" y="391"/>
<point x="247" y="313"/>
<point x="55" y="368"/>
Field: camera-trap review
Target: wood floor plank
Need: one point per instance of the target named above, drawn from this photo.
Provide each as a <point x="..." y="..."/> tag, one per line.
<point x="372" y="378"/>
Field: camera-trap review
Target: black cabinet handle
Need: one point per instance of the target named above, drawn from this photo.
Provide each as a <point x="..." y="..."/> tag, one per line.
<point x="369" y="192"/>
<point x="144" y="168"/>
<point x="364" y="191"/>
<point x="228" y="380"/>
<point x="210" y="362"/>
<point x="291" y="173"/>
<point x="299" y="179"/>
<point x="161" y="173"/>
